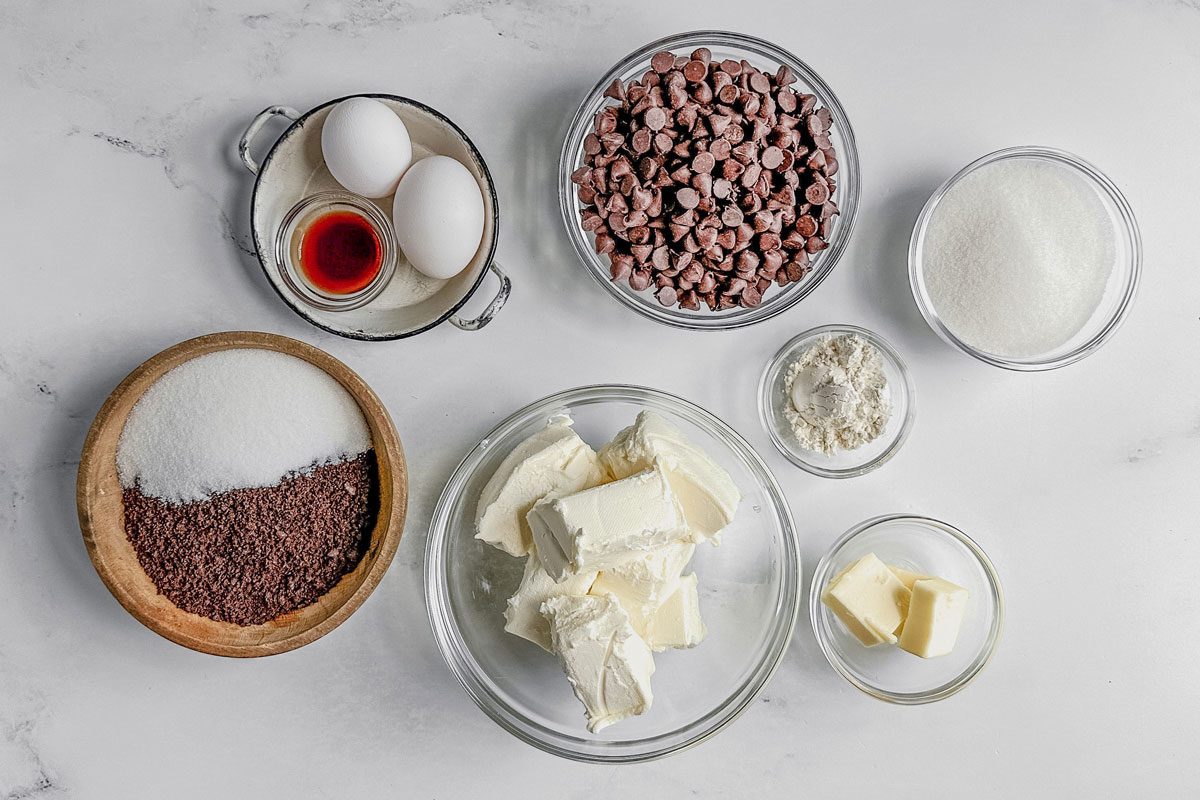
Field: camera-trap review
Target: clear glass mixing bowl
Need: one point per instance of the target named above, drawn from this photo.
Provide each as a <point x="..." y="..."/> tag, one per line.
<point x="749" y="595"/>
<point x="763" y="55"/>
<point x="929" y="547"/>
<point x="1118" y="294"/>
<point x="773" y="400"/>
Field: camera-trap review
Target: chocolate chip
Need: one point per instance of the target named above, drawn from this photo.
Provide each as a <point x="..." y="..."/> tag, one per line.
<point x="772" y="157"/>
<point x="703" y="162"/>
<point x="662" y="62"/>
<point x="695" y="71"/>
<point x="687" y="198"/>
<point x="655" y="118"/>
<point x="732" y="216"/>
<point x="816" y="193"/>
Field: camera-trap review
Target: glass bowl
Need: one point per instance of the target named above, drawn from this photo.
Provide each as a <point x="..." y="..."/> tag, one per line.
<point x="762" y="54"/>
<point x="291" y="233"/>
<point x="1118" y="294"/>
<point x="773" y="398"/>
<point x="924" y="545"/>
<point x="750" y="592"/>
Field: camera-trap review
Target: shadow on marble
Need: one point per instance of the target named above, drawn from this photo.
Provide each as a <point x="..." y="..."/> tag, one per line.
<point x="235" y="205"/>
<point x="880" y="268"/>
<point x="540" y="226"/>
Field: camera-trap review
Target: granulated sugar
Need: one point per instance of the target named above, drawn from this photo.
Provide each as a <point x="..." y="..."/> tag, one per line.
<point x="1017" y="255"/>
<point x="236" y="419"/>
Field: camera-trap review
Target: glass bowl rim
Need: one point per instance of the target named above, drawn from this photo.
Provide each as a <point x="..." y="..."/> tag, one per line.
<point x="889" y="352"/>
<point x="455" y="651"/>
<point x="850" y="187"/>
<point x="1127" y="226"/>
<point x="319" y="203"/>
<point x="953" y="686"/>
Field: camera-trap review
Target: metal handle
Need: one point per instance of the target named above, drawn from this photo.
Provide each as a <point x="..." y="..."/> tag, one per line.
<point x="255" y="126"/>
<point x="493" y="307"/>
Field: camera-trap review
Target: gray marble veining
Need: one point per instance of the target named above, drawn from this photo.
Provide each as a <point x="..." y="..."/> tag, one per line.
<point x="124" y="230"/>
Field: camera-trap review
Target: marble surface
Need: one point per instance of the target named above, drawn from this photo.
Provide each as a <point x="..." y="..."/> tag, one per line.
<point x="123" y="226"/>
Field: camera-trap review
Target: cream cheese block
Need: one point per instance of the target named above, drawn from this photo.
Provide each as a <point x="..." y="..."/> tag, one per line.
<point x="677" y="621"/>
<point x="935" y="614"/>
<point x="869" y="600"/>
<point x="645" y="583"/>
<point x="705" y="491"/>
<point x="523" y="615"/>
<point x="552" y="461"/>
<point x="607" y="664"/>
<point x="602" y="527"/>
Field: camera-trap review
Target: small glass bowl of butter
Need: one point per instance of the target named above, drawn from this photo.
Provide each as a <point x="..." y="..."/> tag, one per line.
<point x="928" y="547"/>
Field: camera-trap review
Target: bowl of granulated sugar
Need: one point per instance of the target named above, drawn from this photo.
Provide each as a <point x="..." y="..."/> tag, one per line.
<point x="241" y="493"/>
<point x="1027" y="259"/>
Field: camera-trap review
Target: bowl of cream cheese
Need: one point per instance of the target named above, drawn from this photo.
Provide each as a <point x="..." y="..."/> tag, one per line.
<point x="606" y="627"/>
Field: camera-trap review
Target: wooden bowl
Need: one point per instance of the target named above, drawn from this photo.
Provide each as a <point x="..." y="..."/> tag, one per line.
<point x="102" y="512"/>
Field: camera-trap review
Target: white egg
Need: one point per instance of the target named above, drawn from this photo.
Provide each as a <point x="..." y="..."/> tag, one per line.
<point x="366" y="146"/>
<point x="438" y="216"/>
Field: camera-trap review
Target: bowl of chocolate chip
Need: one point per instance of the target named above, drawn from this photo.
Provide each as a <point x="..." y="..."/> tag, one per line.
<point x="709" y="180"/>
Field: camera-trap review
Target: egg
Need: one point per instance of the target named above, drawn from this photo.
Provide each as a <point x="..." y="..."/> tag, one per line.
<point x="438" y="216"/>
<point x="366" y="146"/>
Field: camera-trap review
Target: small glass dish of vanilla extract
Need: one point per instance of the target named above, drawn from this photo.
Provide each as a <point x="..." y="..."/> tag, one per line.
<point x="336" y="251"/>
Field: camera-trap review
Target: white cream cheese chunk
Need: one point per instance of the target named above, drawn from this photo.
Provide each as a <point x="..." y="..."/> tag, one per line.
<point x="644" y="584"/>
<point x="705" y="491"/>
<point x="869" y="600"/>
<point x="607" y="664"/>
<point x="523" y="616"/>
<point x="935" y="614"/>
<point x="605" y="526"/>
<point x="552" y="461"/>
<point x="677" y="621"/>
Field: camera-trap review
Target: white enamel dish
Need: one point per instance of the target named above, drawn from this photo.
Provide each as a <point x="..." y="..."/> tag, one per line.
<point x="294" y="169"/>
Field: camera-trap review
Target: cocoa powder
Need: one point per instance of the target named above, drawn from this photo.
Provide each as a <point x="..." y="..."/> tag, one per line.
<point x="247" y="556"/>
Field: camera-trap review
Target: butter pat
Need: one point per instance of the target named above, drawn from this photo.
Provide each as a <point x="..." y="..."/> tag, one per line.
<point x="607" y="664"/>
<point x="708" y="496"/>
<point x="935" y="615"/>
<point x="523" y="615"/>
<point x="644" y="584"/>
<point x="677" y="621"/>
<point x="869" y="600"/>
<point x="907" y="577"/>
<point x="605" y="526"/>
<point x="552" y="461"/>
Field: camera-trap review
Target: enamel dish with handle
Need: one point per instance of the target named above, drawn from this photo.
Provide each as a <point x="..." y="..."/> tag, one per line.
<point x="410" y="303"/>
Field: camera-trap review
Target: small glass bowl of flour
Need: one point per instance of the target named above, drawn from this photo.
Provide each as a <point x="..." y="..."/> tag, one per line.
<point x="1027" y="259"/>
<point x="837" y="401"/>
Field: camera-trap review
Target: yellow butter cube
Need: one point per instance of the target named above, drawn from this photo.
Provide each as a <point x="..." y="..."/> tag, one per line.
<point x="935" y="614"/>
<point x="869" y="600"/>
<point x="907" y="577"/>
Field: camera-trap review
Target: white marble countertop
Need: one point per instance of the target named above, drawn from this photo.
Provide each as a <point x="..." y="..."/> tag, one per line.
<point x="124" y="230"/>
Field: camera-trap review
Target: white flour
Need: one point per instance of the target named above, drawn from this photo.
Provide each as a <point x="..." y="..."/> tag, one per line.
<point x="836" y="395"/>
